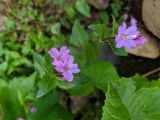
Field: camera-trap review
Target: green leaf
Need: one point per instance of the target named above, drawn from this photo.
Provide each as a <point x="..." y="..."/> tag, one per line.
<point x="125" y="102"/>
<point x="9" y="103"/>
<point x="10" y="24"/>
<point x="49" y="109"/>
<point x="55" y="28"/>
<point x="82" y="90"/>
<point x="115" y="26"/>
<point x="83" y="87"/>
<point x="3" y="83"/>
<point x="114" y="108"/>
<point x="46" y="84"/>
<point x="83" y="8"/>
<point x="79" y="36"/>
<point x="3" y="66"/>
<point x="24" y="84"/>
<point x="104" y="16"/>
<point x="101" y="73"/>
<point x="117" y="51"/>
<point x="42" y="67"/>
<point x="101" y="30"/>
<point x="85" y="57"/>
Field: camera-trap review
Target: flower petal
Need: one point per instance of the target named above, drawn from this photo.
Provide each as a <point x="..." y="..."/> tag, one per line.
<point x="68" y="76"/>
<point x="122" y="28"/>
<point x="118" y="38"/>
<point x="57" y="63"/>
<point x="127" y="45"/>
<point x="54" y="53"/>
<point x="132" y="30"/>
<point x="59" y="69"/>
<point x="119" y="44"/>
<point x="74" y="68"/>
<point x="63" y="48"/>
<point x="68" y="60"/>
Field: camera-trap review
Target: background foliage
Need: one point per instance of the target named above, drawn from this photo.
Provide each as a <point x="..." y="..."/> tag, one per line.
<point x="28" y="79"/>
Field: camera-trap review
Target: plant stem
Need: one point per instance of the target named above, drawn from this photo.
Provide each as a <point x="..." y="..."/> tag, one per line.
<point x="105" y="40"/>
<point x="151" y="72"/>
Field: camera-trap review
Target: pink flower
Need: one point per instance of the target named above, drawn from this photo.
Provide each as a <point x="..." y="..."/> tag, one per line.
<point x="63" y="62"/>
<point x="133" y="21"/>
<point x="20" y="118"/>
<point x="125" y="16"/>
<point x="58" y="56"/>
<point x="126" y="36"/>
<point x="67" y="68"/>
<point x="140" y="40"/>
<point x="33" y="109"/>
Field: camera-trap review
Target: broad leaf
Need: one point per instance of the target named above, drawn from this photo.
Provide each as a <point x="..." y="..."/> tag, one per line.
<point x="101" y="73"/>
<point x="83" y="8"/>
<point x="9" y="103"/>
<point x="45" y="85"/>
<point x="49" y="109"/>
<point x="79" y="36"/>
<point x="124" y="102"/>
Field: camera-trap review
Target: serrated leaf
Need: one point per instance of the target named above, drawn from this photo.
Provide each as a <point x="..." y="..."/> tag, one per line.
<point x="83" y="8"/>
<point x="79" y="36"/>
<point x="124" y="102"/>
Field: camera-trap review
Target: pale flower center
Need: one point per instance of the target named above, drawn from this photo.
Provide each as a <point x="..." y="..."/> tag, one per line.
<point x="124" y="36"/>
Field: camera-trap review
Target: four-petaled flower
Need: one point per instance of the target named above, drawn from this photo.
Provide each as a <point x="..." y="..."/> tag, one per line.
<point x="126" y="36"/>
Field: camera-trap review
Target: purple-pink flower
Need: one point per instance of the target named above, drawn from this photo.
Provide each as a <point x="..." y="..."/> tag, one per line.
<point x="33" y="109"/>
<point x="125" y="16"/>
<point x="58" y="56"/>
<point x="67" y="68"/>
<point x="140" y="40"/>
<point x="64" y="63"/>
<point x="133" y="21"/>
<point x="129" y="37"/>
<point x="126" y="36"/>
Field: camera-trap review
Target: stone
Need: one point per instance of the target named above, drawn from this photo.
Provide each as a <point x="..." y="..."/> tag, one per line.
<point x="150" y="49"/>
<point x="150" y="15"/>
<point x="99" y="4"/>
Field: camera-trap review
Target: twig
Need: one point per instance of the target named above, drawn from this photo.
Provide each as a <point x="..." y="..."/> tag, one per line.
<point x="151" y="72"/>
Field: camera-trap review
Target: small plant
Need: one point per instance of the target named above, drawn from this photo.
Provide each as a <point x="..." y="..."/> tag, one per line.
<point x="48" y="57"/>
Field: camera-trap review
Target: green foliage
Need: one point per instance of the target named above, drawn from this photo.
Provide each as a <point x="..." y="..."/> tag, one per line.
<point x="83" y="8"/>
<point x="124" y="102"/>
<point x="46" y="84"/>
<point x="117" y="51"/>
<point x="79" y="36"/>
<point x="101" y="30"/>
<point x="48" y="105"/>
<point x="9" y="103"/>
<point x="28" y="78"/>
<point x="101" y="73"/>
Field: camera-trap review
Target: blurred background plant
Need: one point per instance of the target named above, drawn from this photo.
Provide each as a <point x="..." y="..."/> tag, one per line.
<point x="30" y="28"/>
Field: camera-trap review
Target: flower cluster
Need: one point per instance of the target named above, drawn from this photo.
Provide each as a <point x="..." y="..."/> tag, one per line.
<point x="63" y="62"/>
<point x="129" y="37"/>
